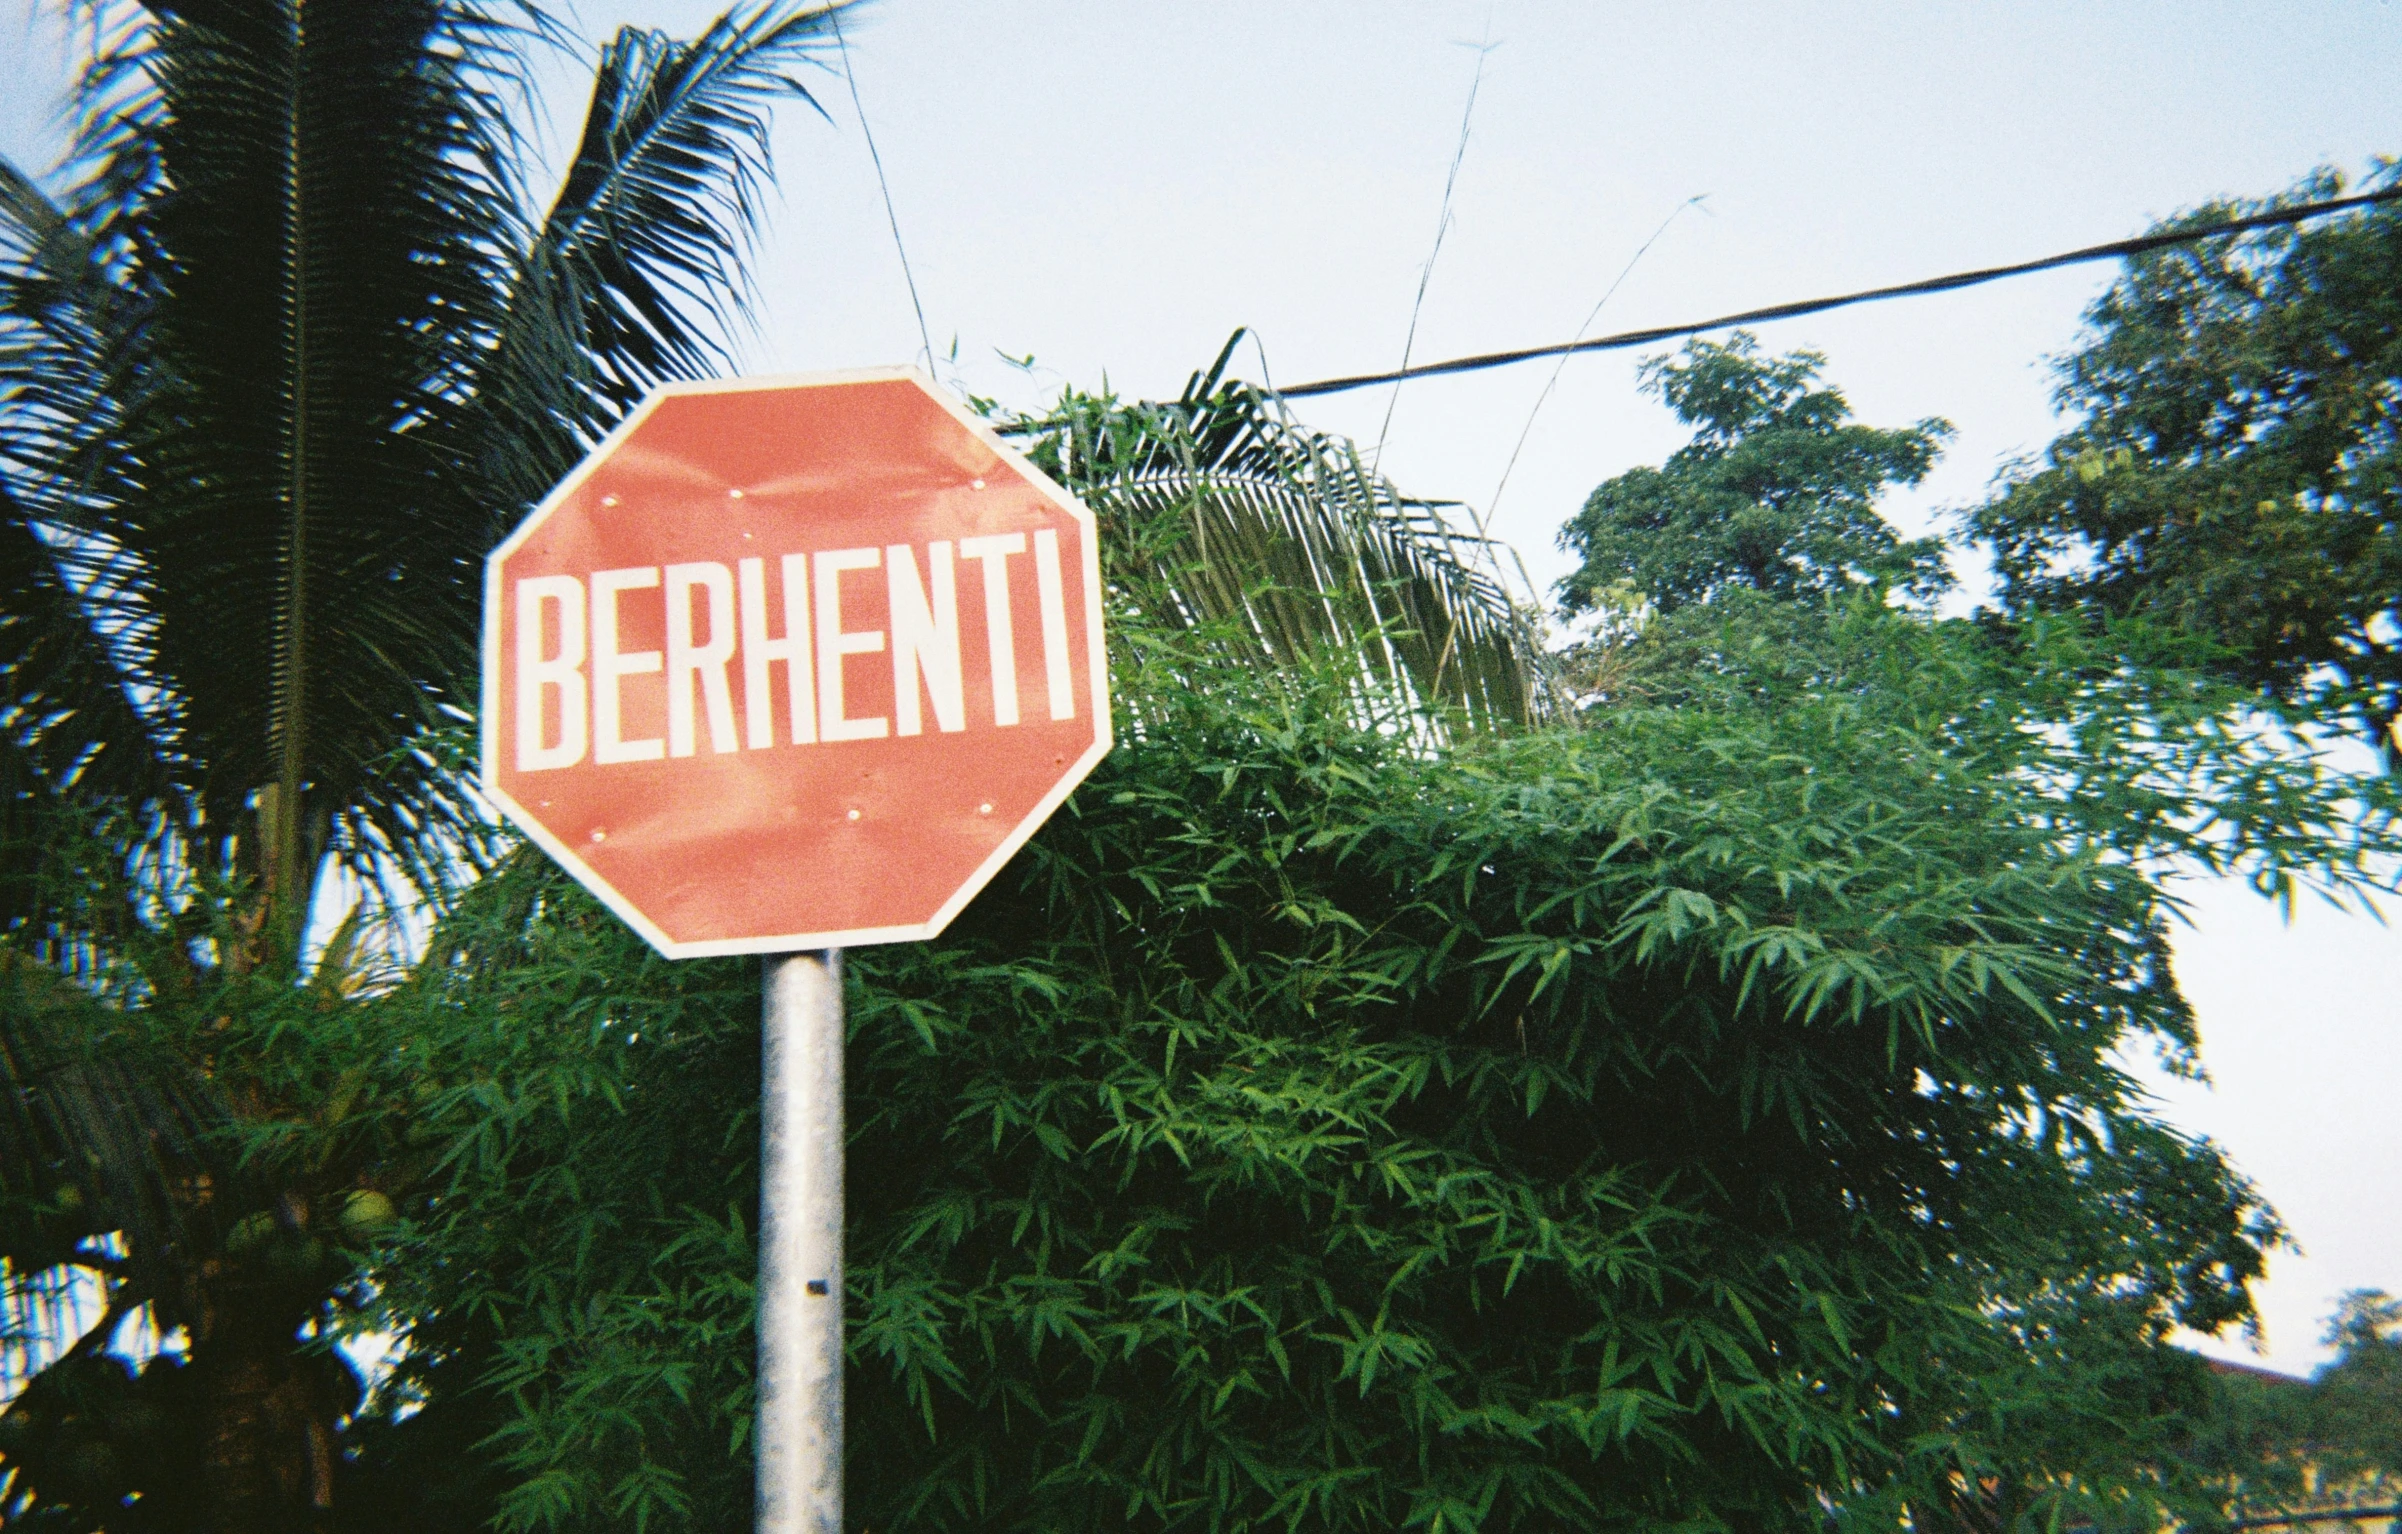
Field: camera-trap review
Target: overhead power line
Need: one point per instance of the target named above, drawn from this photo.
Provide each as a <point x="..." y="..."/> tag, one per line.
<point x="1626" y="338"/>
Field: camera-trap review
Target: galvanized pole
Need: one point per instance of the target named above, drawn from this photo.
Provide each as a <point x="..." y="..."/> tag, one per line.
<point x="799" y="1432"/>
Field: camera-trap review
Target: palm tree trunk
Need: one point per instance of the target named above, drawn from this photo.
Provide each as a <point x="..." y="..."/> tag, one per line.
<point x="270" y="1421"/>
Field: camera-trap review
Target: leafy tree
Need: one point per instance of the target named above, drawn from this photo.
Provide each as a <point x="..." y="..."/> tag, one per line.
<point x="2054" y="1390"/>
<point x="1330" y="1122"/>
<point x="2151" y="750"/>
<point x="2360" y="1394"/>
<point x="287" y="347"/>
<point x="2236" y="471"/>
<point x="1776" y="493"/>
<point x="2269" y="1446"/>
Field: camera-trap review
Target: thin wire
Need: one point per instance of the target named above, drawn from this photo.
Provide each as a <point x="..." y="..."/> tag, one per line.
<point x="1485" y="517"/>
<point x="925" y="337"/>
<point x="2332" y="1515"/>
<point x="1625" y="339"/>
<point x="1442" y="227"/>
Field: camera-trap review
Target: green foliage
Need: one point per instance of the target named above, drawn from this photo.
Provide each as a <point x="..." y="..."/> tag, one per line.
<point x="2237" y="469"/>
<point x="1662" y="1122"/>
<point x="2051" y="1391"/>
<point x="1709" y="1115"/>
<point x="2138" y="753"/>
<point x="1776" y="493"/>
<point x="1284" y="547"/>
<point x="2358" y="1432"/>
<point x="1346" y="1114"/>
<point x="2271" y="1445"/>
<point x="215" y="1161"/>
<point x="2148" y="751"/>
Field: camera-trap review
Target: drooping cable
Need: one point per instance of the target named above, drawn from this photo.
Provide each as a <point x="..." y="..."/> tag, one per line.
<point x="1629" y="338"/>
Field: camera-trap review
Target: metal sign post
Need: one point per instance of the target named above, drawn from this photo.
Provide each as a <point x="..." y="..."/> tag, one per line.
<point x="785" y="667"/>
<point x="799" y="1431"/>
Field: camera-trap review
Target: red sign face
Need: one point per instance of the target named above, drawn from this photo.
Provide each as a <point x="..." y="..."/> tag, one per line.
<point x="793" y="663"/>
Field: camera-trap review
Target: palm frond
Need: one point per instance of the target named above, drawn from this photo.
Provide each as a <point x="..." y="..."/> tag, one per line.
<point x="1292" y="547"/>
<point x="70" y="324"/>
<point x="241" y="363"/>
<point x="289" y="354"/>
<point x="66" y="702"/>
<point x="101" y="1136"/>
<point x="637" y="273"/>
<point x="81" y="720"/>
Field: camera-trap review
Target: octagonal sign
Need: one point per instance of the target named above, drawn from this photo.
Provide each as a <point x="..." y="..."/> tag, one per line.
<point x="793" y="663"/>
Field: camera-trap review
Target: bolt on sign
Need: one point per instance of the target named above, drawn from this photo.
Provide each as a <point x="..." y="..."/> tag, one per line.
<point x="793" y="664"/>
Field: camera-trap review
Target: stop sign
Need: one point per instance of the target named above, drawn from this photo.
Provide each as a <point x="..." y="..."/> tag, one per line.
<point x="793" y="663"/>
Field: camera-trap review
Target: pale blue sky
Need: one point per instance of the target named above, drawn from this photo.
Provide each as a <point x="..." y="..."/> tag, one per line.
<point x="1114" y="187"/>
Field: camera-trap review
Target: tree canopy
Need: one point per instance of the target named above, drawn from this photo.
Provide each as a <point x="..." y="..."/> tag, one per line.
<point x="2236" y="468"/>
<point x="2154" y="760"/>
<point x="1776" y="493"/>
<point x="2273" y="1445"/>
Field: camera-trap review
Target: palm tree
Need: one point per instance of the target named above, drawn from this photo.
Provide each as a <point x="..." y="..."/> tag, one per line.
<point x="1226" y="516"/>
<point x="285" y="343"/>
